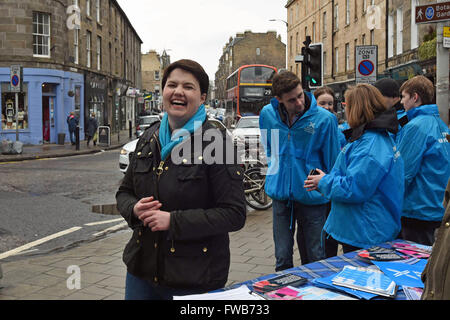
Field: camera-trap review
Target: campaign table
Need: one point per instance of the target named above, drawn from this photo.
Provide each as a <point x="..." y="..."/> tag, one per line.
<point x="325" y="268"/>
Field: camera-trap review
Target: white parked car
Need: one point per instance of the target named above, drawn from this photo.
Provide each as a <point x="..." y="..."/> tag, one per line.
<point x="128" y="149"/>
<point x="125" y="153"/>
<point x="247" y="131"/>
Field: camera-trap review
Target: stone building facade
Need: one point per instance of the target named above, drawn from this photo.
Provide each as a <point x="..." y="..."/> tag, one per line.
<point x="76" y="55"/>
<point x="341" y="25"/>
<point x="152" y="73"/>
<point x="248" y="48"/>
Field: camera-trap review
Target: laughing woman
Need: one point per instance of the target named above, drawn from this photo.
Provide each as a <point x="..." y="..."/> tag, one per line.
<point x="180" y="213"/>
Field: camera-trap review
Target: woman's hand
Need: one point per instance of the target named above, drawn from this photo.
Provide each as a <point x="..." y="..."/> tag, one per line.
<point x="147" y="210"/>
<point x="144" y="205"/>
<point x="157" y="220"/>
<point x="312" y="182"/>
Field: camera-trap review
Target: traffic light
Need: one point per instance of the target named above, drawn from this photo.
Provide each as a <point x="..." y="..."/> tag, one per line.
<point x="314" y="65"/>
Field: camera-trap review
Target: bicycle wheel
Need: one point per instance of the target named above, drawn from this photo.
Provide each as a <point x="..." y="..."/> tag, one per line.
<point x="255" y="196"/>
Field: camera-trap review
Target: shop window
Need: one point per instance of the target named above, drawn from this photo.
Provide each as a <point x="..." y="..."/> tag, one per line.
<point x="8" y="104"/>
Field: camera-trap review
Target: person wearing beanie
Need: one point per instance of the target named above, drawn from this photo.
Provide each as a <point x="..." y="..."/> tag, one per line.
<point x="390" y="89"/>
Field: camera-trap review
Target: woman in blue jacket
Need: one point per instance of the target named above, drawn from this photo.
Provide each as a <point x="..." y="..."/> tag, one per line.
<point x="366" y="184"/>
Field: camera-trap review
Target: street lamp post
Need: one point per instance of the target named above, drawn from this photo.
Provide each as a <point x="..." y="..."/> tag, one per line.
<point x="287" y="25"/>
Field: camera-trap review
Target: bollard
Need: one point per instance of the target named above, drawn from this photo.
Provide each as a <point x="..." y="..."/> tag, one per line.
<point x="130" y="128"/>
<point x="77" y="138"/>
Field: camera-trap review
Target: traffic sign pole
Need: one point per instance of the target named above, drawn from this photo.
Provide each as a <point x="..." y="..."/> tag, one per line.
<point x="442" y="77"/>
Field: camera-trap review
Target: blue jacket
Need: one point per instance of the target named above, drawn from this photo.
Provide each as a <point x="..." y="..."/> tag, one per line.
<point x="426" y="152"/>
<point x="311" y="142"/>
<point x="366" y="191"/>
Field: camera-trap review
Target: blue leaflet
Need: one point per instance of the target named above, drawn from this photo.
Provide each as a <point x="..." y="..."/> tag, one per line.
<point x="403" y="274"/>
<point x="327" y="283"/>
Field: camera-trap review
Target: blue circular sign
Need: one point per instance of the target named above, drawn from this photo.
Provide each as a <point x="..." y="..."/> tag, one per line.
<point x="366" y="67"/>
<point x="429" y="13"/>
<point x="15" y="80"/>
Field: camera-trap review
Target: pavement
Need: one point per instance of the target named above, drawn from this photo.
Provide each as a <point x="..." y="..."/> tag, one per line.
<point x="94" y="270"/>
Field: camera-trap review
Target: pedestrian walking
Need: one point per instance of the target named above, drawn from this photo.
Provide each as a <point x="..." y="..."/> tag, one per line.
<point x="307" y="139"/>
<point x="366" y="183"/>
<point x="424" y="148"/>
<point x="436" y="275"/>
<point x="91" y="131"/>
<point x="180" y="213"/>
<point x="72" y="122"/>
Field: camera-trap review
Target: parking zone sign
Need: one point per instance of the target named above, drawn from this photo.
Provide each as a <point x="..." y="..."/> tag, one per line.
<point x="366" y="63"/>
<point x="16" y="78"/>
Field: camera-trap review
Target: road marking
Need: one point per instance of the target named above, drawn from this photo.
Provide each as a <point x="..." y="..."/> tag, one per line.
<point x="113" y="228"/>
<point x="102" y="222"/>
<point x="38" y="242"/>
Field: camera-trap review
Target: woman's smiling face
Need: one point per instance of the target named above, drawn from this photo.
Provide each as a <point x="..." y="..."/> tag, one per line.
<point x="181" y="97"/>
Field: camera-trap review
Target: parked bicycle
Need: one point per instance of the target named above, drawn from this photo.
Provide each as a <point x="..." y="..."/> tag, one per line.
<point x="254" y="182"/>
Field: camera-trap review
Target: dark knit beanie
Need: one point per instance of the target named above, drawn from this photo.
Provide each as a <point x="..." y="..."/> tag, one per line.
<point x="388" y="87"/>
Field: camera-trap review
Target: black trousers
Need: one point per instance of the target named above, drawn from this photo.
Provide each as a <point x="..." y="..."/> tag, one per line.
<point x="419" y="231"/>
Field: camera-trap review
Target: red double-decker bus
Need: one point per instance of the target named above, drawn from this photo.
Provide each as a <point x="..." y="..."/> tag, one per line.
<point x="249" y="89"/>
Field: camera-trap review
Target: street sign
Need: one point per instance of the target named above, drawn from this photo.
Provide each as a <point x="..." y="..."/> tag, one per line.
<point x="104" y="136"/>
<point x="433" y="12"/>
<point x="446" y="34"/>
<point x="16" y="78"/>
<point x="366" y="61"/>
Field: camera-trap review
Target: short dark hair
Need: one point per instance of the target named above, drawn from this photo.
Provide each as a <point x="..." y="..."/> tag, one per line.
<point x="284" y="82"/>
<point x="192" y="67"/>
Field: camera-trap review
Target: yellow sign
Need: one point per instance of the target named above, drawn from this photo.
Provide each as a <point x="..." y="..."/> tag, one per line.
<point x="446" y="39"/>
<point x="447" y="32"/>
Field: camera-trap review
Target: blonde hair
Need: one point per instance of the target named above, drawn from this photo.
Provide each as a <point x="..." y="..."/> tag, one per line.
<point x="363" y="102"/>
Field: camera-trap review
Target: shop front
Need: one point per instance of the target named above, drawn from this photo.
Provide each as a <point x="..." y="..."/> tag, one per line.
<point x="46" y="99"/>
<point x="97" y="98"/>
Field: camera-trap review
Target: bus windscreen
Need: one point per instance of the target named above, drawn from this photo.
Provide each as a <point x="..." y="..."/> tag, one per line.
<point x="257" y="74"/>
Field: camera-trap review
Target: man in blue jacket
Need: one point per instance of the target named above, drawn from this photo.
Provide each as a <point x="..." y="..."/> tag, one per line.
<point x="297" y="136"/>
<point x="426" y="153"/>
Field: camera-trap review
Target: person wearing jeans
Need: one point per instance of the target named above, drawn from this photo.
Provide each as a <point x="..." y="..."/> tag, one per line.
<point x="310" y="220"/>
<point x="297" y="136"/>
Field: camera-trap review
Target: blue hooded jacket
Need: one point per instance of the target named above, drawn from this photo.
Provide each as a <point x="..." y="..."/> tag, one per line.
<point x="426" y="152"/>
<point x="311" y="142"/>
<point x="366" y="191"/>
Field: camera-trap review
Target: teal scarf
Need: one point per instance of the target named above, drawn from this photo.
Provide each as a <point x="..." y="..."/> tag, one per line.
<point x="169" y="141"/>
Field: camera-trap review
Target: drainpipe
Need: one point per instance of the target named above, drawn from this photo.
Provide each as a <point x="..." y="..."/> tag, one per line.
<point x="386" y="22"/>
<point x="332" y="40"/>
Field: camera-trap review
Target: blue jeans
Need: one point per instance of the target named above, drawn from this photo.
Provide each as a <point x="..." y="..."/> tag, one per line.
<point x="72" y="136"/>
<point x="310" y="238"/>
<point x="140" y="289"/>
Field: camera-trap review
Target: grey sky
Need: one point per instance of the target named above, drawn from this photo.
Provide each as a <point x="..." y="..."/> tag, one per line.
<point x="198" y="29"/>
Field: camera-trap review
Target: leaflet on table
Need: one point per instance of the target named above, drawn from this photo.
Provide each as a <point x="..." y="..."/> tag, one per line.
<point x="413" y="247"/>
<point x="403" y="273"/>
<point x="239" y="293"/>
<point x="379" y="254"/>
<point x="412" y="293"/>
<point x="305" y="293"/>
<point x="283" y="280"/>
<point x="366" y="279"/>
<point x="327" y="283"/>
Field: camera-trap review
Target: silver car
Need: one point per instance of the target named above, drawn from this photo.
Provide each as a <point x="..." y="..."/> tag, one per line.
<point x="125" y="154"/>
<point x="144" y="122"/>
